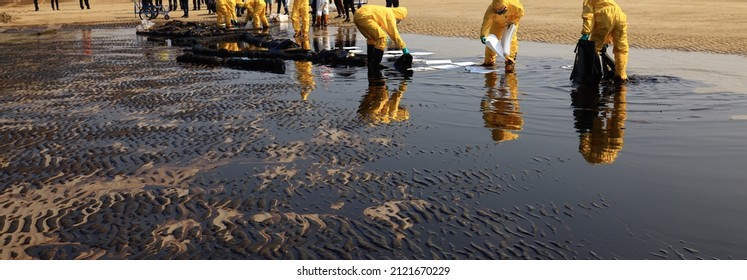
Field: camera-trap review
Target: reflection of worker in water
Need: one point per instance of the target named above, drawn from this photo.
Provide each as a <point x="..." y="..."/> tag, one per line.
<point x="86" y="41"/>
<point x="499" y="15"/>
<point x="500" y="107"/>
<point x="322" y="42"/>
<point x="229" y="46"/>
<point x="300" y="17"/>
<point x="345" y="37"/>
<point x="604" y="23"/>
<point x="304" y="70"/>
<point x="305" y="78"/>
<point x="255" y="10"/>
<point x="600" y="127"/>
<point x="375" y="23"/>
<point x="377" y="106"/>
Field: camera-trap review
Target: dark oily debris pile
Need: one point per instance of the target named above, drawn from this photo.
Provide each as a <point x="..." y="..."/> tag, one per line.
<point x="176" y="29"/>
<point x="264" y="54"/>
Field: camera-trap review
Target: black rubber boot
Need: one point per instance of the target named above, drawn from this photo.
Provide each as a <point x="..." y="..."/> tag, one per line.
<point x="369" y="55"/>
<point x="376" y="57"/>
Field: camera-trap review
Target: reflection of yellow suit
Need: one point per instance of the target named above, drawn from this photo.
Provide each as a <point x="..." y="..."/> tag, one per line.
<point x="229" y="46"/>
<point x="256" y="11"/>
<point x="606" y="23"/>
<point x="493" y="23"/>
<point x="604" y="140"/>
<point x="378" y="107"/>
<point x="305" y="78"/>
<point x="304" y="43"/>
<point x="376" y="22"/>
<point x="300" y="17"/>
<point x="500" y="108"/>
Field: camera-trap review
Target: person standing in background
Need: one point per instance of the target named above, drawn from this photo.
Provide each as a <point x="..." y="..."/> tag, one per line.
<point x="185" y="8"/>
<point x="173" y="5"/>
<point x="36" y="5"/>
<point x="392" y="3"/>
<point x="55" y="2"/>
<point x="348" y="5"/>
<point x="338" y="6"/>
<point x="81" y="4"/>
<point x="283" y="3"/>
<point x="268" y="7"/>
<point x="196" y="5"/>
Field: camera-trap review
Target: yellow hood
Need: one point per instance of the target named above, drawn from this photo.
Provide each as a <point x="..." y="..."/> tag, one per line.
<point x="400" y="13"/>
<point x="498" y="4"/>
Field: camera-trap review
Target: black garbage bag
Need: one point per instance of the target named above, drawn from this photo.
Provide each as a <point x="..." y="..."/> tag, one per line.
<point x="608" y="65"/>
<point x="587" y="67"/>
<point x="403" y="64"/>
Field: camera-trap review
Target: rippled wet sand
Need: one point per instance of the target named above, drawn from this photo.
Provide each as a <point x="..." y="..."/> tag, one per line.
<point x="109" y="149"/>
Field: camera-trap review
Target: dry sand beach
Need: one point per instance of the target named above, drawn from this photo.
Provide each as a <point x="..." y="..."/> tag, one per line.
<point x="714" y="26"/>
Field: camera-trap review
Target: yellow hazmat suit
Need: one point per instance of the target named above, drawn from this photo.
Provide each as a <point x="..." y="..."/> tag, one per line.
<point x="300" y="17"/>
<point x="225" y="12"/>
<point x="256" y="9"/>
<point x="500" y="108"/>
<point x="606" y="23"/>
<point x="376" y="22"/>
<point x="231" y="10"/>
<point x="499" y="15"/>
<point x="378" y="107"/>
<point x="222" y="14"/>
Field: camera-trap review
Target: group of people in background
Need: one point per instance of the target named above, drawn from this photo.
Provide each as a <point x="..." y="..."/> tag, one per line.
<point x="56" y="4"/>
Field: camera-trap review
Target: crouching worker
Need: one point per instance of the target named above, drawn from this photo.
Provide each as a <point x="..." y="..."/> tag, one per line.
<point x="375" y="23"/>
<point x="255" y="9"/>
<point x="499" y="15"/>
<point x="605" y="22"/>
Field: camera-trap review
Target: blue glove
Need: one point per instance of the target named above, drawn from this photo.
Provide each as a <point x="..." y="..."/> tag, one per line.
<point x="585" y="37"/>
<point x="405" y="51"/>
<point x="482" y="39"/>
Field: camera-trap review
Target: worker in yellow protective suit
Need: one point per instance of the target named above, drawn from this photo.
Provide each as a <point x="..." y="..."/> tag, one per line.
<point x="500" y="107"/>
<point x="300" y="17"/>
<point x="378" y="107"/>
<point x="499" y="15"/>
<point x="604" y="23"/>
<point x="375" y="23"/>
<point x="256" y="10"/>
<point x="226" y="13"/>
<point x="601" y="127"/>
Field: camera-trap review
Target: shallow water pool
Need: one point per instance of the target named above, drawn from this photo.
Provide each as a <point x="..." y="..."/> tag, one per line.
<point x="111" y="149"/>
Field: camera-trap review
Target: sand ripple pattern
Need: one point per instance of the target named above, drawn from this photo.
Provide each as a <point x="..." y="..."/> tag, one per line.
<point x="104" y="158"/>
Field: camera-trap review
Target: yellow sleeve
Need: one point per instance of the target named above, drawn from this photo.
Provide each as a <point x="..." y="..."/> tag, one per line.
<point x="516" y="13"/>
<point x="487" y="22"/>
<point x="588" y="16"/>
<point x="393" y="32"/>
